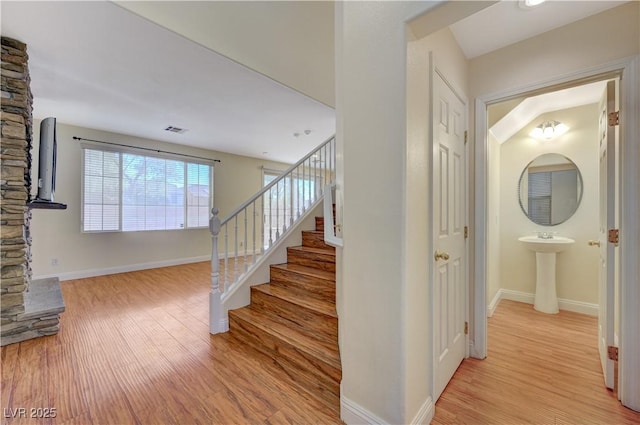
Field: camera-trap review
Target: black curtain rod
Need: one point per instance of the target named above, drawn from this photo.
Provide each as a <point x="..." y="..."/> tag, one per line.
<point x="146" y="149"/>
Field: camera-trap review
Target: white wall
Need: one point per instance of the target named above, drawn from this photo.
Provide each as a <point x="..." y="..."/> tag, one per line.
<point x="383" y="111"/>
<point x="289" y="41"/>
<point x="605" y="37"/>
<point x="56" y="233"/>
<point x="371" y="78"/>
<point x="372" y="129"/>
<point x="494" y="258"/>
<point x="577" y="267"/>
<point x="598" y="39"/>
<point x="450" y="60"/>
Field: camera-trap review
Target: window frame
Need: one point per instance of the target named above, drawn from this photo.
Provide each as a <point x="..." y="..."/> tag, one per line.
<point x="121" y="151"/>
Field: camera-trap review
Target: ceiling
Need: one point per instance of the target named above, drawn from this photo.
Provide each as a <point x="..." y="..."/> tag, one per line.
<point x="96" y="65"/>
<point x="508" y="22"/>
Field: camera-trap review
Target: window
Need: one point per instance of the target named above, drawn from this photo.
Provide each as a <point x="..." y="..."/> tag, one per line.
<point x="124" y="191"/>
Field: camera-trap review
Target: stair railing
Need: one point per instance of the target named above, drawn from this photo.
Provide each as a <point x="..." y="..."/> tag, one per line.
<point x="252" y="229"/>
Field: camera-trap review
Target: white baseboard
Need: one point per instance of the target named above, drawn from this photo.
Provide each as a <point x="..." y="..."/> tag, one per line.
<point x="81" y="274"/>
<point x="352" y="413"/>
<point x="521" y="297"/>
<point x="563" y="303"/>
<point x="491" y="308"/>
<point x="425" y="413"/>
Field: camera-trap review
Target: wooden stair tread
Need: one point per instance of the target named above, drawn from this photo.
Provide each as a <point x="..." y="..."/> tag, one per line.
<point x="324" y="251"/>
<point x="317" y="305"/>
<point x="309" y="271"/>
<point x="328" y="353"/>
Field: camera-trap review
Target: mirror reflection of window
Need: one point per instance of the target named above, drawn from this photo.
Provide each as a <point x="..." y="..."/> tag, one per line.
<point x="550" y="189"/>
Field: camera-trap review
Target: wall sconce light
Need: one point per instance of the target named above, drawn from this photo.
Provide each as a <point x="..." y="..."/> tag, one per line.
<point x="548" y="130"/>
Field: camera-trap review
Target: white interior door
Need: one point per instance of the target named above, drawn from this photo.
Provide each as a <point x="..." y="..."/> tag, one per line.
<point x="449" y="280"/>
<point x="607" y="221"/>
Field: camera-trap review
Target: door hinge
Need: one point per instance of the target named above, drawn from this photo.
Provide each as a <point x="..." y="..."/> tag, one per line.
<point x="614" y="236"/>
<point x="613" y="353"/>
<point x="614" y="118"/>
<point x="466" y="232"/>
<point x="466" y="134"/>
<point x="466" y="331"/>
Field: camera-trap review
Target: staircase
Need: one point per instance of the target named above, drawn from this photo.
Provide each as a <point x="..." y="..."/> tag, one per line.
<point x="293" y="320"/>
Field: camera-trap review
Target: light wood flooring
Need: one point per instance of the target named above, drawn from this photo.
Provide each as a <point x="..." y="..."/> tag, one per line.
<point x="134" y="348"/>
<point x="540" y="369"/>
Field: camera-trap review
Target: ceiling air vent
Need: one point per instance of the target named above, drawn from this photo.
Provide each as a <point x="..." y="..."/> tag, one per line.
<point x="175" y="129"/>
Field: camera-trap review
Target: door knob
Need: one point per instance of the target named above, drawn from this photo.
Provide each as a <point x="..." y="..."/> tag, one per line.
<point x="441" y="255"/>
<point x="594" y="243"/>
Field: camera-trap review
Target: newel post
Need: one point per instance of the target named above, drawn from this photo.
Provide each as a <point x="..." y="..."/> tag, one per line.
<point x="215" y="306"/>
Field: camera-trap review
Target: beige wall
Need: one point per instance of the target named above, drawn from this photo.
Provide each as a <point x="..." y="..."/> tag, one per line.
<point x="56" y="234"/>
<point x="576" y="268"/>
<point x="289" y="41"/>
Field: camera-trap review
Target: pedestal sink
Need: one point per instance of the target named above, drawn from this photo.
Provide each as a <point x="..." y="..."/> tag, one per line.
<point x="546" y="299"/>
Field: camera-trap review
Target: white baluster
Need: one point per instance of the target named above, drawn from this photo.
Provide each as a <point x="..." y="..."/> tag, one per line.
<point x="298" y="191"/>
<point x="226" y="255"/>
<point x="215" y="307"/>
<point x="291" y="200"/>
<point x="235" y="255"/>
<point x="270" y="217"/>
<point x="278" y="210"/>
<point x="253" y="254"/>
<point x="246" y="230"/>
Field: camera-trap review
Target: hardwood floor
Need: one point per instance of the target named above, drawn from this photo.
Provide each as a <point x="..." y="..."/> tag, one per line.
<point x="540" y="369"/>
<point x="135" y="348"/>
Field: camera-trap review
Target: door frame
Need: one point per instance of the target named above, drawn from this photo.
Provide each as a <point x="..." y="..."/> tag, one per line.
<point x="629" y="203"/>
<point x="433" y="71"/>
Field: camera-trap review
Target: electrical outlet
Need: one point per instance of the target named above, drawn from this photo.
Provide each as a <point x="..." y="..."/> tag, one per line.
<point x="54" y="262"/>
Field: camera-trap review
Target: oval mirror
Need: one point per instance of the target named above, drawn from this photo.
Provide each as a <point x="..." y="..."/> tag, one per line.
<point x="550" y="189"/>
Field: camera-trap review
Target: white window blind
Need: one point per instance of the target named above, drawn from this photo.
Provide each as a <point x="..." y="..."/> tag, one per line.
<point x="540" y="197"/>
<point x="125" y="191"/>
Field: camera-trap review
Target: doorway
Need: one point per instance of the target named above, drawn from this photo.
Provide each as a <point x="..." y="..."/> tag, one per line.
<point x="545" y="240"/>
<point x="483" y="223"/>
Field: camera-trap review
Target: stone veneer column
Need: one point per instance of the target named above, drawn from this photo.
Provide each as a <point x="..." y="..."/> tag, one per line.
<point x="15" y="184"/>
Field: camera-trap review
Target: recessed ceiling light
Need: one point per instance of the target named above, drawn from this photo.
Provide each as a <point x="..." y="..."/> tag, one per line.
<point x="174" y="129"/>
